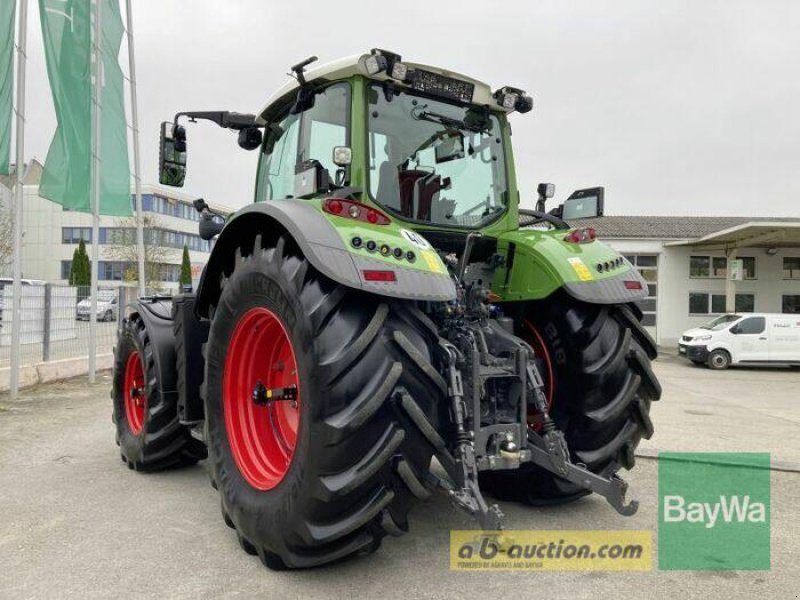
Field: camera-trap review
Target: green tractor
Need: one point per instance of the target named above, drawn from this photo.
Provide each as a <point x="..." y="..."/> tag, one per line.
<point x="383" y="302"/>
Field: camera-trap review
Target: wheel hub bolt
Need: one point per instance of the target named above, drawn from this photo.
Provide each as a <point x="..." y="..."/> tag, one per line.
<point x="259" y="393"/>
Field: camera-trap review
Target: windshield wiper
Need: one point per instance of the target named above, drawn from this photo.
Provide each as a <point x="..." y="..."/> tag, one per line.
<point x="440" y="119"/>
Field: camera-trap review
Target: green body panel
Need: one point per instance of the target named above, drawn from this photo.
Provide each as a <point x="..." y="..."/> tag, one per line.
<point x="543" y="262"/>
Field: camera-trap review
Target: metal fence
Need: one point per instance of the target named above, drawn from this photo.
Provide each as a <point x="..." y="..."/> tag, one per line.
<point x="55" y="321"/>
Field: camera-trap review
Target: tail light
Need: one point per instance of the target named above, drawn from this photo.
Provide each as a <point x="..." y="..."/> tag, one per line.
<point x="385" y="276"/>
<point x="354" y="210"/>
<point x="581" y="236"/>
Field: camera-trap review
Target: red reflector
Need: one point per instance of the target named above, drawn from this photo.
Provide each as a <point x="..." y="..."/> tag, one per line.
<point x="633" y="285"/>
<point x="379" y="275"/>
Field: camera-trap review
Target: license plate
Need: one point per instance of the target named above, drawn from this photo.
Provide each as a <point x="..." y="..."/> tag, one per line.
<point x="681" y="350"/>
<point x="440" y="85"/>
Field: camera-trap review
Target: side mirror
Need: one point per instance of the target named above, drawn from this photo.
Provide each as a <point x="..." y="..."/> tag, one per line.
<point x="735" y="330"/>
<point x="172" y="155"/>
<point x="583" y="204"/>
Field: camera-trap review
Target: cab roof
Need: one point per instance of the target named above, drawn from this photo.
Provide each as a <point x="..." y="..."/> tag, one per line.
<point x="355" y="65"/>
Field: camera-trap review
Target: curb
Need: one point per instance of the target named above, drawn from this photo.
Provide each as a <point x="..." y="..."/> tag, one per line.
<point x="54" y="370"/>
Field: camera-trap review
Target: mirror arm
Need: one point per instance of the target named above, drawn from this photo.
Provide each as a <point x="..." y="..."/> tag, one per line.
<point x="223" y="118"/>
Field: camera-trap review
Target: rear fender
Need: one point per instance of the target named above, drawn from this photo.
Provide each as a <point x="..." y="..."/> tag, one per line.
<point x="537" y="263"/>
<point x="323" y="244"/>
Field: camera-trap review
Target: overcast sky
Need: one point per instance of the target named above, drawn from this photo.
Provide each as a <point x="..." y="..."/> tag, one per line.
<point x="676" y="107"/>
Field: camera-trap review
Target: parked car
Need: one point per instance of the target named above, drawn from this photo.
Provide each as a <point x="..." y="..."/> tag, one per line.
<point x="4" y="281"/>
<point x="107" y="306"/>
<point x="748" y="339"/>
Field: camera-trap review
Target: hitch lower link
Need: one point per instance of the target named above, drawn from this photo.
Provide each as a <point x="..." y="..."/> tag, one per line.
<point x="550" y="451"/>
<point x="463" y="468"/>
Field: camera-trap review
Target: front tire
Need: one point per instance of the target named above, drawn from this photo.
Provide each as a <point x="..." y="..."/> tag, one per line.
<point x="331" y="476"/>
<point x="149" y="434"/>
<point x="719" y="360"/>
<point x="595" y="360"/>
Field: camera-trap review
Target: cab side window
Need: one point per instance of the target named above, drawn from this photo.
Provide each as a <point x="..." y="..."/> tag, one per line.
<point x="297" y="138"/>
<point x="276" y="168"/>
<point x="324" y="125"/>
<point x="753" y="325"/>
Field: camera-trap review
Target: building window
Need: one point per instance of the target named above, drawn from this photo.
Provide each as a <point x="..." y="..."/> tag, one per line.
<point x="112" y="270"/>
<point x="699" y="266"/>
<point x="166" y="206"/>
<point x="790" y="304"/>
<point x="705" y="303"/>
<point x="66" y="267"/>
<point x="169" y="272"/>
<point x="716" y="267"/>
<point x="647" y="265"/>
<point x="73" y="235"/>
<point x="749" y="267"/>
<point x="791" y="267"/>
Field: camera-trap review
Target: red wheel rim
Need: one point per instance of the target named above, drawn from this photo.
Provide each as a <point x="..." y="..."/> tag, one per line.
<point x="135" y="399"/>
<point x="262" y="434"/>
<point x="536" y="341"/>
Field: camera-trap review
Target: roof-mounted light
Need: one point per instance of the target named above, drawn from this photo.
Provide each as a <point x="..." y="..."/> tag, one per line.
<point x="388" y="62"/>
<point x="513" y="99"/>
<point x="375" y="64"/>
<point x="399" y="71"/>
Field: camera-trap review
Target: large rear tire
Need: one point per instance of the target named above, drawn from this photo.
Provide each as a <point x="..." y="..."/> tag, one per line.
<point x="149" y="434"/>
<point x="595" y="360"/>
<point x="340" y="466"/>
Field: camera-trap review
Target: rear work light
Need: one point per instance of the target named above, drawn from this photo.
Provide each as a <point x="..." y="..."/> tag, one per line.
<point x="581" y="236"/>
<point x="386" y="276"/>
<point x="354" y="210"/>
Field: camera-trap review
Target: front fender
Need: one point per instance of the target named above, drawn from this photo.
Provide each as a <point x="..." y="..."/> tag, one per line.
<point x="156" y="314"/>
<point x="537" y="263"/>
<point x="322" y="240"/>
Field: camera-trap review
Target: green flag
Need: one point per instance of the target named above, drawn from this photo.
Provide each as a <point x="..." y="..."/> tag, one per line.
<point x="67" y="34"/>
<point x="6" y="80"/>
<point x="115" y="174"/>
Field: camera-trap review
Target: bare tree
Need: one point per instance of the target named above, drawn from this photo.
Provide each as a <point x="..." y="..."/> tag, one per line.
<point x="6" y="229"/>
<point x="122" y="246"/>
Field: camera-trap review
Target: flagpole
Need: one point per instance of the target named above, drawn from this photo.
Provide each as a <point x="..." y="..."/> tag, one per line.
<point x="98" y="108"/>
<point x="136" y="164"/>
<point x="16" y="323"/>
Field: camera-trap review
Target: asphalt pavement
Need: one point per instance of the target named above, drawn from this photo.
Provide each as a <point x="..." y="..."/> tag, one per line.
<point x="76" y="523"/>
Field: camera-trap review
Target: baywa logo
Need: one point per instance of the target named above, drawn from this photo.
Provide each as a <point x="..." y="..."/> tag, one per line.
<point x="729" y="508"/>
<point x="714" y="511"/>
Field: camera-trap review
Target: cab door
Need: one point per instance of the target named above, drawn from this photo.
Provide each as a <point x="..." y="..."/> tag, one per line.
<point x="750" y="340"/>
<point x="784" y="338"/>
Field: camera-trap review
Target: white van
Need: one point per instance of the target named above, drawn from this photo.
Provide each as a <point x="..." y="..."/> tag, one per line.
<point x="748" y="339"/>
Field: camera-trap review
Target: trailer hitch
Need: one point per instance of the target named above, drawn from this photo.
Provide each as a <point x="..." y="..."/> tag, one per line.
<point x="550" y="451"/>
